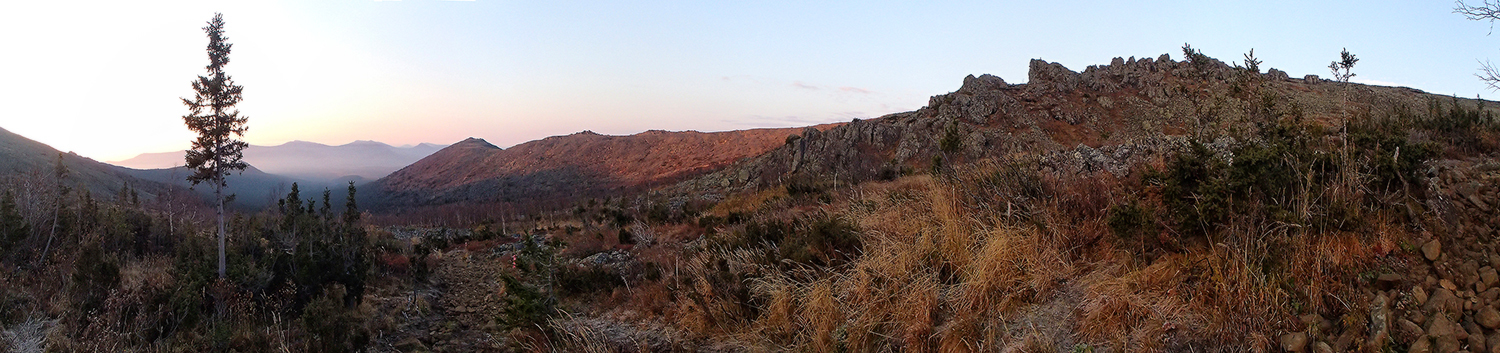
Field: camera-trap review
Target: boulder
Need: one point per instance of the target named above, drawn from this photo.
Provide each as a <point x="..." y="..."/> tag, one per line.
<point x="1054" y="76"/>
<point x="1444" y="334"/>
<point x="1294" y="342"/>
<point x="1422" y="345"/>
<point x="1443" y="301"/>
<point x="1488" y="276"/>
<point x="985" y="82"/>
<point x="1487" y="317"/>
<point x="1432" y="250"/>
<point x="1406" y="330"/>
<point x="1440" y="326"/>
<point x="1447" y="344"/>
<point x="1380" y="322"/>
<point x="1322" y="347"/>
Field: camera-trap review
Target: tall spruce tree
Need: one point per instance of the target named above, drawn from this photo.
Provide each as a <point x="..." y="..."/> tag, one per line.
<point x="217" y="151"/>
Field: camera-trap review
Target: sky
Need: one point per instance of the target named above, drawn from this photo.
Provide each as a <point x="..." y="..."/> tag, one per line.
<point x="103" y="78"/>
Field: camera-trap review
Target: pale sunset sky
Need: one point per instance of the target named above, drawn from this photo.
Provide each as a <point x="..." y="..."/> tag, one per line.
<point x="103" y="78"/>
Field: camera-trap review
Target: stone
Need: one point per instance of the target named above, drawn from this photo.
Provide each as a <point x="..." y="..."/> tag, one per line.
<point x="1446" y="284"/>
<point x="1345" y="342"/>
<point x="1493" y="342"/>
<point x="1474" y="199"/>
<point x="1487" y="317"/>
<point x="411" y="345"/>
<point x="1432" y="250"/>
<point x="1440" y="326"/>
<point x="1422" y="345"/>
<point x="1311" y="79"/>
<point x="1476" y="343"/>
<point x="1443" y="301"/>
<point x="1462" y="331"/>
<point x="1322" y="347"/>
<point x="1406" y="330"/>
<point x="1294" y="342"/>
<point x="1277" y="75"/>
<point x="985" y="82"/>
<point x="1380" y="321"/>
<point x="1489" y="276"/>
<point x="1446" y="344"/>
<point x="1044" y="75"/>
<point x="1418" y="294"/>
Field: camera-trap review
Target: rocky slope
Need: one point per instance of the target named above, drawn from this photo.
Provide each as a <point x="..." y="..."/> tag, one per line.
<point x="570" y="167"/>
<point x="1106" y="117"/>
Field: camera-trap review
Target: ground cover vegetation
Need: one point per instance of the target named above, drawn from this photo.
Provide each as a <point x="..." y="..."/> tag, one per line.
<point x="1293" y="214"/>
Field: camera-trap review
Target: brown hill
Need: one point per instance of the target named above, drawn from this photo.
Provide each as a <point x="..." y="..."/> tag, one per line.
<point x="24" y="158"/>
<point x="571" y="167"/>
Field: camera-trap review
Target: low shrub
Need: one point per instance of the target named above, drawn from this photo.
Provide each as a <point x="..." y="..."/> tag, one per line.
<point x="333" y="327"/>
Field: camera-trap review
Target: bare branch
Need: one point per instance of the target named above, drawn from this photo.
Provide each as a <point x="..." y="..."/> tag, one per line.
<point x="1489" y="11"/>
<point x="1489" y="74"/>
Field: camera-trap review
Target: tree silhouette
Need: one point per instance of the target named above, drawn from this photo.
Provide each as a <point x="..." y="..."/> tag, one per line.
<point x="216" y="152"/>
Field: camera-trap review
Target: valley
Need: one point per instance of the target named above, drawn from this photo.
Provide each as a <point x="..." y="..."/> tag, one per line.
<point x="1146" y="205"/>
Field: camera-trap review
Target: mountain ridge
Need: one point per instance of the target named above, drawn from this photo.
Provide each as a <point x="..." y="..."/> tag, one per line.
<point x="307" y="160"/>
<point x="566" y="167"/>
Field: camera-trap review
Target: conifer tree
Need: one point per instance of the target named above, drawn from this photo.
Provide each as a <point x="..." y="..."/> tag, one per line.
<point x="60" y="175"/>
<point x="217" y="151"/>
<point x="13" y="227"/>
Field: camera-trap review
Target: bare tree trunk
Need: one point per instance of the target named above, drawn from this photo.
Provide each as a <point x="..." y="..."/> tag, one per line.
<point x="48" y="247"/>
<point x="219" y="195"/>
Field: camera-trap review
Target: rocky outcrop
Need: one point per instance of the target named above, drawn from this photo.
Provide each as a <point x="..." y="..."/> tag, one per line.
<point x="1107" y="118"/>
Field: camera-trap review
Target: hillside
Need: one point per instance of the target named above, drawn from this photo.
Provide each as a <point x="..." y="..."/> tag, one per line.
<point x="367" y="160"/>
<point x="1107" y="117"/>
<point x="568" y="167"/>
<point x="26" y="158"/>
<point x="1144" y="206"/>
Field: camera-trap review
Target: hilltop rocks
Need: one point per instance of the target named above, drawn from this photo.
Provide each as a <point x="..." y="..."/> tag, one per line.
<point x="985" y="82"/>
<point x="1045" y="75"/>
<point x="1277" y="75"/>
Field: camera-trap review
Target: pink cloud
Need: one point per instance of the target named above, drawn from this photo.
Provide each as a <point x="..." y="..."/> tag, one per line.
<point x="855" y="90"/>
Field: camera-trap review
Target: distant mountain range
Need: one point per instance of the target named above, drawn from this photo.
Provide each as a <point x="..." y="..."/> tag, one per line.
<point x="359" y="160"/>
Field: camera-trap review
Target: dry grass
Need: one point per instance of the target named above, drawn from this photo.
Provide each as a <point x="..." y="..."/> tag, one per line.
<point x="966" y="263"/>
<point x="748" y="203"/>
<point x="29" y="336"/>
